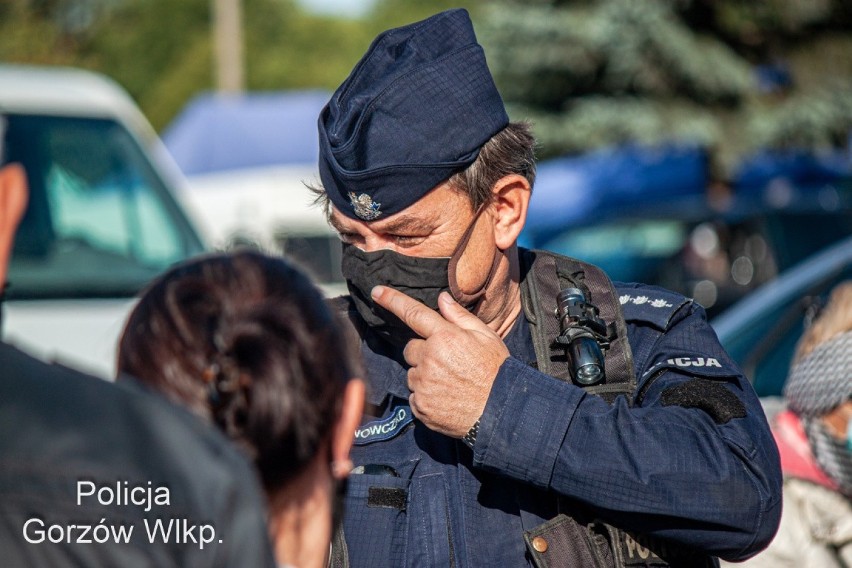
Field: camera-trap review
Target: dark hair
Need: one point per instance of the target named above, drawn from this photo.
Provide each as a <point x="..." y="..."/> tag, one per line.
<point x="510" y="151"/>
<point x="247" y="341"/>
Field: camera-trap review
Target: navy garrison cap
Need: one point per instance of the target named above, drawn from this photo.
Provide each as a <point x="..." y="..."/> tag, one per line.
<point x="414" y="111"/>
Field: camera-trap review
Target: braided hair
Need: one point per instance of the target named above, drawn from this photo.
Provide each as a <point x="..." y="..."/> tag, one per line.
<point x="246" y="341"/>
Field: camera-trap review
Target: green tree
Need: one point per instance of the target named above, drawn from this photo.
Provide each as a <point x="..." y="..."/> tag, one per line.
<point x="41" y="31"/>
<point x="590" y="73"/>
<point x="161" y="50"/>
<point x="388" y="14"/>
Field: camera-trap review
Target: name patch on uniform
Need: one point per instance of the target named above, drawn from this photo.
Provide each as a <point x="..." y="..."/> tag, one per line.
<point x="645" y="551"/>
<point x="386" y="428"/>
<point x="694" y="362"/>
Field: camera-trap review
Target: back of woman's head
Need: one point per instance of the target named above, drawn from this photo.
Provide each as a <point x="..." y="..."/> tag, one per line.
<point x="248" y="342"/>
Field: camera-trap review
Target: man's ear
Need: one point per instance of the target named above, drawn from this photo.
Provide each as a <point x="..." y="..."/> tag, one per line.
<point x="511" y="198"/>
<point x="344" y="431"/>
<point x="13" y="202"/>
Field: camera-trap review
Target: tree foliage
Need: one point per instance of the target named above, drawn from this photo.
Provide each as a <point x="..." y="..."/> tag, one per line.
<point x="588" y="73"/>
<point x="161" y="51"/>
<point x="591" y="73"/>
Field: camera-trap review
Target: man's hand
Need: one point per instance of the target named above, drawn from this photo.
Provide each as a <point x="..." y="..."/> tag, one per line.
<point x="452" y="367"/>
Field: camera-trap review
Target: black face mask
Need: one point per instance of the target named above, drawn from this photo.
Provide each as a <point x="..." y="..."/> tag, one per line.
<point x="422" y="278"/>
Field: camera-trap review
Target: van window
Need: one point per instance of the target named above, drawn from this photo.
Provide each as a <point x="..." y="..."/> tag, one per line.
<point x="99" y="222"/>
<point x="318" y="255"/>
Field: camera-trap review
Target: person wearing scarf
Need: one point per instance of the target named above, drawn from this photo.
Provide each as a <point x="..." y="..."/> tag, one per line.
<point x="814" y="437"/>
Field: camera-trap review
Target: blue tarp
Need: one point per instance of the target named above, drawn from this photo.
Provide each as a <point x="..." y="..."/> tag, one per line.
<point x="579" y="189"/>
<point x="222" y="132"/>
<point x="799" y="168"/>
<point x="634" y="180"/>
<point x="218" y="132"/>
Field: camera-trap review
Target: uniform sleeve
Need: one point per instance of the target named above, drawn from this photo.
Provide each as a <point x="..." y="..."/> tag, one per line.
<point x="692" y="460"/>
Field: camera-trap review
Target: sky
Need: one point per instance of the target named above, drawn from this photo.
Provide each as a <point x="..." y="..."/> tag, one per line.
<point x="352" y="8"/>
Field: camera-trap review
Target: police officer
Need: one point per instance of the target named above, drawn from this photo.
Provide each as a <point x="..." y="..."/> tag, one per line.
<point x="470" y="454"/>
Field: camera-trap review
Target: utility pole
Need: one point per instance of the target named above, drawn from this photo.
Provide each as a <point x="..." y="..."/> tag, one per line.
<point x="228" y="43"/>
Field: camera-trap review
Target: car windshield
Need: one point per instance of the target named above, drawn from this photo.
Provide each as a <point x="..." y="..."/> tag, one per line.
<point x="763" y="341"/>
<point x="100" y="222"/>
<point x="715" y="260"/>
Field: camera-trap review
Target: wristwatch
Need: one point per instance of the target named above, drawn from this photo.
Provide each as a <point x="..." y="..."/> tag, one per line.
<point x="470" y="438"/>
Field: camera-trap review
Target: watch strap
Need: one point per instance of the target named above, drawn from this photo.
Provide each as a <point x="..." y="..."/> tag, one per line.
<point x="469" y="439"/>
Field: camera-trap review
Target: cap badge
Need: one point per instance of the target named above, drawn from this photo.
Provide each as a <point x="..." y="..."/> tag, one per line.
<point x="364" y="206"/>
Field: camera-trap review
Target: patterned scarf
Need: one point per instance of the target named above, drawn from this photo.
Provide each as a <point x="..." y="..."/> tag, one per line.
<point x="832" y="455"/>
<point x="818" y="384"/>
<point x="822" y="380"/>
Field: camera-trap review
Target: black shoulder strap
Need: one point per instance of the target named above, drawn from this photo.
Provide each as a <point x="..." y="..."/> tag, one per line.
<point x="543" y="275"/>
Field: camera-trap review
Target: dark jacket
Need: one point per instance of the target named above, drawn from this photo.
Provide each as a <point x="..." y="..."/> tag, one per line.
<point x="81" y="459"/>
<point x="691" y="463"/>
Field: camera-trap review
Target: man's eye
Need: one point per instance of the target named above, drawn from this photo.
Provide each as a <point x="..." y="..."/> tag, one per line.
<point x="407" y="240"/>
<point x="347" y="237"/>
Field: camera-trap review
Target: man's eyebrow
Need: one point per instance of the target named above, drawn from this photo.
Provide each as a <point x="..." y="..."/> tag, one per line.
<point x="405" y="224"/>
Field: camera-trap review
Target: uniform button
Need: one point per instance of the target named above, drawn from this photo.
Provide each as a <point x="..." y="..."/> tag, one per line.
<point x="539" y="544"/>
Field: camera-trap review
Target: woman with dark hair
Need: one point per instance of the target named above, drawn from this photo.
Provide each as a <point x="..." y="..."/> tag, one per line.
<point x="247" y="342"/>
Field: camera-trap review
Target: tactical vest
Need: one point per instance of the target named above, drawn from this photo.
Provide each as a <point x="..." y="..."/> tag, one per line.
<point x="575" y="537"/>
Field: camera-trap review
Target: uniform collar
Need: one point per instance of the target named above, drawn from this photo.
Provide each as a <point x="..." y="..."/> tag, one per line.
<point x="519" y="341"/>
<point x="386" y="370"/>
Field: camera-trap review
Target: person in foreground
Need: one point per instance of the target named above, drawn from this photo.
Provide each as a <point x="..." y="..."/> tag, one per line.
<point x="491" y="436"/>
<point x="100" y="475"/>
<point x="247" y="342"/>
<point x="814" y="436"/>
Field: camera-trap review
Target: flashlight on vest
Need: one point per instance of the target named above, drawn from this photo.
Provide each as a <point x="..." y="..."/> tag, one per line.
<point x="581" y="332"/>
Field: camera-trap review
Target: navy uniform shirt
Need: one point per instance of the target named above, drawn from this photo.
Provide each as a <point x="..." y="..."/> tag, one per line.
<point x="693" y="460"/>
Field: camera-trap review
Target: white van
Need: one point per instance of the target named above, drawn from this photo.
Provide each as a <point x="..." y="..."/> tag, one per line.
<point x="102" y="218"/>
<point x="248" y="159"/>
<point x="269" y="208"/>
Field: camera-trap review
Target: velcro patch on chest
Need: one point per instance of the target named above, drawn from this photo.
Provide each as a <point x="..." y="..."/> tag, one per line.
<point x="386" y="428"/>
<point x="387" y="497"/>
<point x="710" y="396"/>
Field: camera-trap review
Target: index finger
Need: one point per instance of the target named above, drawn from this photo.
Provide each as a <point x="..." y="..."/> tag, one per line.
<point x="420" y="318"/>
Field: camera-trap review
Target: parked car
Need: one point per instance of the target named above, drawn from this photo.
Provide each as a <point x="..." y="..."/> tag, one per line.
<point x="102" y="218"/>
<point x="648" y="215"/>
<point x="715" y="257"/>
<point x="761" y="330"/>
